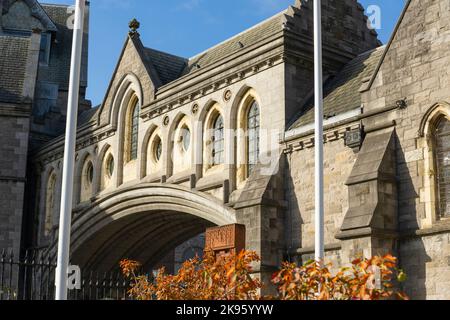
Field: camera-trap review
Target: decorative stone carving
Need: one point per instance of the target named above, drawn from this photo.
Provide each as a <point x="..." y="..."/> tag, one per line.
<point x="134" y="26"/>
<point x="195" y="108"/>
<point x="227" y="95"/>
<point x="225" y="240"/>
<point x="353" y="139"/>
<point x="166" y="121"/>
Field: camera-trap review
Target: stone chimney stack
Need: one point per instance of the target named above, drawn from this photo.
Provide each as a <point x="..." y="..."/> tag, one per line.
<point x="344" y="24"/>
<point x="31" y="70"/>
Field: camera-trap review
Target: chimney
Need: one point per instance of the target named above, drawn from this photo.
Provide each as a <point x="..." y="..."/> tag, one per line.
<point x="31" y="70"/>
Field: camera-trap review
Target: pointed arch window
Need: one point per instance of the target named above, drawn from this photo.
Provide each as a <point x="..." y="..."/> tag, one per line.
<point x="134" y="131"/>
<point x="50" y="203"/>
<point x="442" y="139"/>
<point x="218" y="139"/>
<point x="253" y="127"/>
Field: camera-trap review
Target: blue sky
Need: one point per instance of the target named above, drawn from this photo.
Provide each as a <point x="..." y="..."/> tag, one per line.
<point x="183" y="27"/>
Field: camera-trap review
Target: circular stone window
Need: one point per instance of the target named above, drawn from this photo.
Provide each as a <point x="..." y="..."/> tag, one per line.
<point x="110" y="166"/>
<point x="157" y="149"/>
<point x="185" y="138"/>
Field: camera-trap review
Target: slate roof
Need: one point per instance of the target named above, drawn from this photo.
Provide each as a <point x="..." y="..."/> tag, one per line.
<point x="58" y="70"/>
<point x="169" y="67"/>
<point x="13" y="61"/>
<point x="246" y="38"/>
<point x="341" y="93"/>
<point x="88" y="116"/>
<point x="37" y="11"/>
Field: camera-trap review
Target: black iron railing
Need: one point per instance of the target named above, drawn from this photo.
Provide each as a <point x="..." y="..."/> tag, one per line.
<point x="32" y="277"/>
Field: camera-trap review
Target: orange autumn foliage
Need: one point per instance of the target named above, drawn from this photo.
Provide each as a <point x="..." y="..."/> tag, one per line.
<point x="365" y="279"/>
<point x="225" y="278"/>
<point x="229" y="278"/>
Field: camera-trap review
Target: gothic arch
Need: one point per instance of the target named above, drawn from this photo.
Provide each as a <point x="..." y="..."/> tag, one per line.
<point x="51" y="200"/>
<point x="172" y="142"/>
<point x="432" y="114"/>
<point x="99" y="174"/>
<point x="128" y="85"/>
<point x="78" y="178"/>
<point x="151" y="214"/>
<point x="146" y="146"/>
<point x="211" y="113"/>
<point x="241" y="106"/>
<point x="243" y="91"/>
<point x="129" y="91"/>
<point x="426" y="141"/>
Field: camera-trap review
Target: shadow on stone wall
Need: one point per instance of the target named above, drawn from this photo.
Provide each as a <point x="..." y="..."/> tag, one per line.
<point x="412" y="254"/>
<point x="294" y="220"/>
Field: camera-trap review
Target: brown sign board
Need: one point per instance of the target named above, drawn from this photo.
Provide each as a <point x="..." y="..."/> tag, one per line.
<point x="227" y="239"/>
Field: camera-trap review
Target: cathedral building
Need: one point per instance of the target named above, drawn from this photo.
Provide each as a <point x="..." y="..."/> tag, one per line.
<point x="181" y="144"/>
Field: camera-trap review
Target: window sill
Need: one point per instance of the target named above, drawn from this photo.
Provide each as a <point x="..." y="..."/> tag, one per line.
<point x="210" y="182"/>
<point x="180" y="177"/>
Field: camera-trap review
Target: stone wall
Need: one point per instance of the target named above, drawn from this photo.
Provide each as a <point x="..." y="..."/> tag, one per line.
<point x="417" y="68"/>
<point x="13" y="161"/>
<point x="339" y="161"/>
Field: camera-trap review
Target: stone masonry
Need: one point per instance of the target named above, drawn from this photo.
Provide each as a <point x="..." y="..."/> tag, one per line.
<point x="382" y="105"/>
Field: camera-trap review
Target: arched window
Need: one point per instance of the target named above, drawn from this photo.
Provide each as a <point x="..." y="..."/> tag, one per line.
<point x="185" y="138"/>
<point x="253" y="136"/>
<point x="134" y="131"/>
<point x="218" y="140"/>
<point x="157" y="149"/>
<point x="87" y="181"/>
<point x="50" y="203"/>
<point x="108" y="168"/>
<point x="182" y="148"/>
<point x="442" y="156"/>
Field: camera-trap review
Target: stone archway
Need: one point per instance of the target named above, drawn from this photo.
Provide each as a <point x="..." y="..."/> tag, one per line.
<point x="142" y="222"/>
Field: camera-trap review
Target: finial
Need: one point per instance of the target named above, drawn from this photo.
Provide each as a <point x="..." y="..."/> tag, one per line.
<point x="134" y="26"/>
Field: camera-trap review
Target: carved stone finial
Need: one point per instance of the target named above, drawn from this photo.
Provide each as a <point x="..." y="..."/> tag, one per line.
<point x="134" y="26"/>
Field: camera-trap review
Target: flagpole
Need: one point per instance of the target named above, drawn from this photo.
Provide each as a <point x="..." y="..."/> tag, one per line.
<point x="318" y="89"/>
<point x="69" y="155"/>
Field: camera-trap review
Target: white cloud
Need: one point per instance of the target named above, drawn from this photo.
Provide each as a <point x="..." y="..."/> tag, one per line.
<point x="189" y="5"/>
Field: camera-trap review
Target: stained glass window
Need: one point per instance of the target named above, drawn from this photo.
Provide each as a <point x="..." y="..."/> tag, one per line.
<point x="50" y="204"/>
<point x="218" y="141"/>
<point x="253" y="126"/>
<point x="443" y="164"/>
<point x="134" y="132"/>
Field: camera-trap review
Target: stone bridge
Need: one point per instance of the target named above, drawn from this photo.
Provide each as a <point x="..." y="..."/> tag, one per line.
<point x="157" y="163"/>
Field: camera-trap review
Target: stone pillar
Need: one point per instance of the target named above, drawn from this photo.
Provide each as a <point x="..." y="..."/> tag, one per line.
<point x="370" y="226"/>
<point x="261" y="207"/>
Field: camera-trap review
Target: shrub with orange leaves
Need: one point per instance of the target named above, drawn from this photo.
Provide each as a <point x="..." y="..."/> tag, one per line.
<point x="229" y="278"/>
<point x="365" y="279"/>
<point x="226" y="278"/>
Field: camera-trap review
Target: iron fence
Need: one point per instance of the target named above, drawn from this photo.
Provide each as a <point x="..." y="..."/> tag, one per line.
<point x="32" y="276"/>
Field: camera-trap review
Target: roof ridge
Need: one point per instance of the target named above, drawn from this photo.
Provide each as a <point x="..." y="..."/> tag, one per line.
<point x="55" y="4"/>
<point x="382" y="47"/>
<point x="239" y="34"/>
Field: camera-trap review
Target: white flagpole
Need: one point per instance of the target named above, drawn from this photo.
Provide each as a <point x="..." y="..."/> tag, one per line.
<point x="318" y="89"/>
<point x="69" y="155"/>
